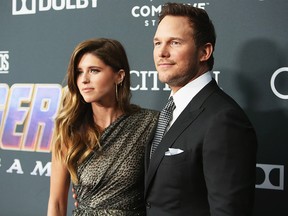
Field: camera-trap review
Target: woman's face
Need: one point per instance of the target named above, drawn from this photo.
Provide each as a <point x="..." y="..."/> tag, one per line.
<point x="96" y="81"/>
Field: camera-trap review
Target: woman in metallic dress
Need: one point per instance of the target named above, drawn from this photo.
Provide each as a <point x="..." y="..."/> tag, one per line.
<point x="99" y="136"/>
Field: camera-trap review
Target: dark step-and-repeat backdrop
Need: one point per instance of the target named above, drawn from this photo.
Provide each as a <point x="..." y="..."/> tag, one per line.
<point x="38" y="36"/>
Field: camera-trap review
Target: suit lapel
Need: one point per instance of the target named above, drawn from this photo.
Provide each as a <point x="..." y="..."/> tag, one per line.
<point x="189" y="114"/>
<point x="148" y="149"/>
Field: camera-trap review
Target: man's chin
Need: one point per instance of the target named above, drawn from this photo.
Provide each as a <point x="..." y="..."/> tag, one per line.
<point x="166" y="79"/>
<point x="163" y="78"/>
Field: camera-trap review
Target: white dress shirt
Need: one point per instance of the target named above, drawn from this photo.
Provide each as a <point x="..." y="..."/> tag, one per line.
<point x="185" y="94"/>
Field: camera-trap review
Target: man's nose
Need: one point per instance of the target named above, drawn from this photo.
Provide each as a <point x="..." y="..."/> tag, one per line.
<point x="163" y="51"/>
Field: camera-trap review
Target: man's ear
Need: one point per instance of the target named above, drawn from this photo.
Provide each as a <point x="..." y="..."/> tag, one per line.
<point x="205" y="52"/>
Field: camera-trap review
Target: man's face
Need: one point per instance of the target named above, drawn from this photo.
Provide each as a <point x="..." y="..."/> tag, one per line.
<point x="175" y="54"/>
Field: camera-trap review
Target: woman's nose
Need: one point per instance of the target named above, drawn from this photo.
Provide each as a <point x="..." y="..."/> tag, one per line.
<point x="85" y="78"/>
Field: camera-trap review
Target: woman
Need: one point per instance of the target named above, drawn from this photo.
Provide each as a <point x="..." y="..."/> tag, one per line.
<point x="100" y="137"/>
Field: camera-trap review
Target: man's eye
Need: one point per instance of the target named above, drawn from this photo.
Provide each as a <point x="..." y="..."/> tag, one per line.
<point x="175" y="43"/>
<point x="156" y="43"/>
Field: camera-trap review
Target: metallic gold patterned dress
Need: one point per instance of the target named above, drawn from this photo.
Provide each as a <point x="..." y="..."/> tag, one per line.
<point x="111" y="181"/>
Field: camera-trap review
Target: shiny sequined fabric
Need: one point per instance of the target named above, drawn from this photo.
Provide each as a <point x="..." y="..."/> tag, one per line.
<point x="111" y="181"/>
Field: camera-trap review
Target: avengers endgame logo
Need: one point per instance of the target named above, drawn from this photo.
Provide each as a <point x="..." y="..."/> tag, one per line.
<point x="27" y="113"/>
<point x="148" y="13"/>
<point x="26" y="7"/>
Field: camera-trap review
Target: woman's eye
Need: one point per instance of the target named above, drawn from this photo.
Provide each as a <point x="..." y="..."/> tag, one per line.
<point x="94" y="71"/>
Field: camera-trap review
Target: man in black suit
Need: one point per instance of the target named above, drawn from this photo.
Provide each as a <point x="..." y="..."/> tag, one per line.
<point x="205" y="163"/>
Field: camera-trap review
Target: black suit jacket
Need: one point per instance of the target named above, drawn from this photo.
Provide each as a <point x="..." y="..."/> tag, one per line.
<point x="215" y="175"/>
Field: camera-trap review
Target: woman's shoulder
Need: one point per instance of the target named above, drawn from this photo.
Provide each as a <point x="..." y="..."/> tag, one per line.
<point x="142" y="119"/>
<point x="146" y="113"/>
<point x="151" y="112"/>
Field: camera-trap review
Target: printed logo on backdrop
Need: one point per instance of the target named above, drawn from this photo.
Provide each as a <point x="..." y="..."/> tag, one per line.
<point x="270" y="176"/>
<point x="276" y="90"/>
<point x="146" y="78"/>
<point x="147" y="13"/>
<point x="27" y="113"/>
<point x="4" y="62"/>
<point x="28" y="7"/>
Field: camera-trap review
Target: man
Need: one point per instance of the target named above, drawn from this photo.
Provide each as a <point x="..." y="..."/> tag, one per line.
<point x="205" y="163"/>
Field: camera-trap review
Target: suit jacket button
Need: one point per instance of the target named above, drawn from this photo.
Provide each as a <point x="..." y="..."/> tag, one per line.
<point x="148" y="205"/>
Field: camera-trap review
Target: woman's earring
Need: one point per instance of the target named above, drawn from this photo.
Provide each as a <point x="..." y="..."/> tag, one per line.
<point x="116" y="91"/>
